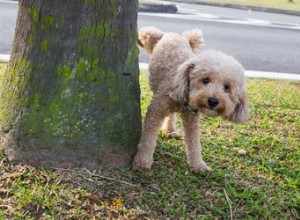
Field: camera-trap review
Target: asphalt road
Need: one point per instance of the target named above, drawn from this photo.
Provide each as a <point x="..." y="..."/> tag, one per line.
<point x="8" y="15"/>
<point x="260" y="41"/>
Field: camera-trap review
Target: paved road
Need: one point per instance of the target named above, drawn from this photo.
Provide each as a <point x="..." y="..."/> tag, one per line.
<point x="8" y="14"/>
<point x="238" y="14"/>
<point x="261" y="41"/>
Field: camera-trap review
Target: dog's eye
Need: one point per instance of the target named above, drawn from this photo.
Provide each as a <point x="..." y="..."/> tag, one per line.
<point x="206" y="80"/>
<point x="226" y="87"/>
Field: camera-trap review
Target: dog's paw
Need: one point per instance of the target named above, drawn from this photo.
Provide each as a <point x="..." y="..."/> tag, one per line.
<point x="141" y="164"/>
<point x="201" y="167"/>
<point x="169" y="133"/>
<point x="173" y="135"/>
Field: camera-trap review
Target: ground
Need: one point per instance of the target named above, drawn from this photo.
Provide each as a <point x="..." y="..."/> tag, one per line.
<point x="255" y="172"/>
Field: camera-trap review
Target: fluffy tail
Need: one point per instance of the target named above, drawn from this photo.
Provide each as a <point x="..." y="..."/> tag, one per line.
<point x="195" y="38"/>
<point x="148" y="38"/>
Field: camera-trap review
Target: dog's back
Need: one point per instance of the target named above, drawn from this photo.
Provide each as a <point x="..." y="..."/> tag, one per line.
<point x="150" y="36"/>
<point x="167" y="51"/>
<point x="171" y="51"/>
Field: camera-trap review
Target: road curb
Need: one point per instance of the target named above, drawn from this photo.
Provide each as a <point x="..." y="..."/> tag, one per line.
<point x="4" y="57"/>
<point x="255" y="74"/>
<point x="158" y="7"/>
<point x="248" y="73"/>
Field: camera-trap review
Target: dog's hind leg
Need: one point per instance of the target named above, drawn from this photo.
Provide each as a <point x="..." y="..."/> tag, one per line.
<point x="191" y="130"/>
<point x="156" y="112"/>
<point x="169" y="125"/>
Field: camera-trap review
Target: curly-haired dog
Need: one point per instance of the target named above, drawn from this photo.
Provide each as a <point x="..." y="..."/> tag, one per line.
<point x="210" y="82"/>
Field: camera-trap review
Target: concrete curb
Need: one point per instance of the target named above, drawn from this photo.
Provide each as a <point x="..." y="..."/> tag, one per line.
<point x="158" y="7"/>
<point x="4" y="57"/>
<point x="255" y="74"/>
<point x="248" y="73"/>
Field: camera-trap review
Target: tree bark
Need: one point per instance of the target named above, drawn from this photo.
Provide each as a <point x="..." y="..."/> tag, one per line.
<point x="70" y="96"/>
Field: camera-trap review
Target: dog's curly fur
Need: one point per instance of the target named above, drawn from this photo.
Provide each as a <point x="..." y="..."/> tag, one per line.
<point x="210" y="82"/>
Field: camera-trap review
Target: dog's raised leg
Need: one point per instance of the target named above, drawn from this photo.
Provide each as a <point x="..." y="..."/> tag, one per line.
<point x="154" y="118"/>
<point x="169" y="125"/>
<point x="191" y="131"/>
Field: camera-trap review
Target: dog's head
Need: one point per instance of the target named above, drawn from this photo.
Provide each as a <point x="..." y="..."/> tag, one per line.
<point x="148" y="38"/>
<point x="214" y="84"/>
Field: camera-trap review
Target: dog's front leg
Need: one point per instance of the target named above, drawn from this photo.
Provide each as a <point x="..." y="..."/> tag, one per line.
<point x="156" y="112"/>
<point x="191" y="131"/>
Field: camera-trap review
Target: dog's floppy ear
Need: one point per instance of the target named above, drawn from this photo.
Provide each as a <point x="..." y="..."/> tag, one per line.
<point x="181" y="82"/>
<point x="241" y="112"/>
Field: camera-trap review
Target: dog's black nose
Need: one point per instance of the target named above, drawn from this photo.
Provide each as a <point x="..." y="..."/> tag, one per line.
<point x="212" y="102"/>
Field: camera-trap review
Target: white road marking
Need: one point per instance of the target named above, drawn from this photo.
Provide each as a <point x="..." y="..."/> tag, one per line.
<point x="229" y="20"/>
<point x="186" y="10"/>
<point x="257" y="21"/>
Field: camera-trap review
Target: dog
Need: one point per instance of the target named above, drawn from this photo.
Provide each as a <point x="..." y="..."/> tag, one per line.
<point x="186" y="82"/>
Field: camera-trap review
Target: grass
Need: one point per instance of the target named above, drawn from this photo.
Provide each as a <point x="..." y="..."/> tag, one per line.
<point x="277" y="4"/>
<point x="263" y="182"/>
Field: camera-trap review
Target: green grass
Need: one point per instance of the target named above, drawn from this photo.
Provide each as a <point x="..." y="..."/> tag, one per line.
<point x="263" y="183"/>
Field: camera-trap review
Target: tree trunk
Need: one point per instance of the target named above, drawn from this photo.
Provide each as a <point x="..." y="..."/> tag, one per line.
<point x="70" y="95"/>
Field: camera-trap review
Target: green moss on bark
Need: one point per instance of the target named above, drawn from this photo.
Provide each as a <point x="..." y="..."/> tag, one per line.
<point x="44" y="45"/>
<point x="49" y="20"/>
<point x="33" y="12"/>
<point x="14" y="83"/>
<point x="77" y="90"/>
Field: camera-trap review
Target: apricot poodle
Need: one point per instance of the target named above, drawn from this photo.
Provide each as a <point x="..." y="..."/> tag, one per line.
<point x="183" y="81"/>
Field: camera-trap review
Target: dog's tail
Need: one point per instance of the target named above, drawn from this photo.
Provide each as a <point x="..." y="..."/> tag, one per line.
<point x="195" y="38"/>
<point x="148" y="38"/>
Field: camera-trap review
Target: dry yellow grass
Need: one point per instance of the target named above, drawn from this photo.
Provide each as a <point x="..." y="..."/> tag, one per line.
<point x="279" y="4"/>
